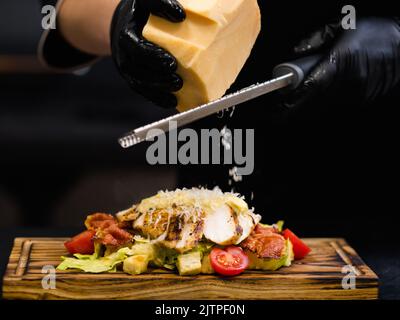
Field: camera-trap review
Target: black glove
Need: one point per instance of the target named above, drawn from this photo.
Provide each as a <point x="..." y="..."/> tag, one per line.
<point x="359" y="65"/>
<point x="148" y="69"/>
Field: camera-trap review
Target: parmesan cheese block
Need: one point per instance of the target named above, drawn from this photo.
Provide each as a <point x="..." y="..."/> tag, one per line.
<point x="211" y="45"/>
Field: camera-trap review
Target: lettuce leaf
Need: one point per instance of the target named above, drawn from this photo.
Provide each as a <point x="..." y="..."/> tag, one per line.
<point x="93" y="264"/>
<point x="97" y="252"/>
<point x="279" y="225"/>
<point x="204" y="247"/>
<point x="97" y="262"/>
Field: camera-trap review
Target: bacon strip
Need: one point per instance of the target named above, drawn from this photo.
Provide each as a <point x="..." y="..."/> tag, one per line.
<point x="108" y="231"/>
<point x="265" y="242"/>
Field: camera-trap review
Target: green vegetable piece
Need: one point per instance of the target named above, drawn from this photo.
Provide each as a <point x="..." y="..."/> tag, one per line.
<point x="164" y="257"/>
<point x="290" y="253"/>
<point x="92" y="264"/>
<point x="279" y="225"/>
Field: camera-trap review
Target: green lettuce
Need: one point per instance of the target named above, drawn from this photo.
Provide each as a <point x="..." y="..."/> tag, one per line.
<point x="94" y="264"/>
<point x="204" y="248"/>
<point x="158" y="256"/>
<point x="164" y="257"/>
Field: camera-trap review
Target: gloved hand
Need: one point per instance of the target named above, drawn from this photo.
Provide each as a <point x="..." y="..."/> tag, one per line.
<point x="359" y="65"/>
<point x="149" y="69"/>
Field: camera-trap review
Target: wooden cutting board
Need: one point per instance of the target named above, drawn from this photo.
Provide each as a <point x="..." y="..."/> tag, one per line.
<point x="318" y="276"/>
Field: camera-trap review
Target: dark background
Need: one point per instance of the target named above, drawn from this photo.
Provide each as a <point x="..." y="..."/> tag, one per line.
<point x="327" y="169"/>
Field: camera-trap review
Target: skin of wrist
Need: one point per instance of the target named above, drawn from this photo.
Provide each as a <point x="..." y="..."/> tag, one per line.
<point x="85" y="24"/>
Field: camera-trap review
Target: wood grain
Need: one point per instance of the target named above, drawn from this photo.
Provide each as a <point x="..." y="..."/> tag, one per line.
<point x="319" y="276"/>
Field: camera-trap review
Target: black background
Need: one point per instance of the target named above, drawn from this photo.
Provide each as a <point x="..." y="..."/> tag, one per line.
<point x="327" y="169"/>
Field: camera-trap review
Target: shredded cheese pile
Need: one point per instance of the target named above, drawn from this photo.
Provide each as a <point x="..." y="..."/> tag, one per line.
<point x="207" y="200"/>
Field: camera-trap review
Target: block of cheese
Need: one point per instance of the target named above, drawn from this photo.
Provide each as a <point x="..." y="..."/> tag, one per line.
<point x="211" y="45"/>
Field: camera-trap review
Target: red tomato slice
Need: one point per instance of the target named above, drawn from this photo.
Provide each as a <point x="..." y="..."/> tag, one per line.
<point x="300" y="249"/>
<point x="230" y="261"/>
<point x="81" y="243"/>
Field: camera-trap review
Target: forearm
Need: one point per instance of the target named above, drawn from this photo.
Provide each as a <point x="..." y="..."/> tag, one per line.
<point x="85" y="24"/>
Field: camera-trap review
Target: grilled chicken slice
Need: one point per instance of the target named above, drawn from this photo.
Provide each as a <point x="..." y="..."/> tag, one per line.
<point x="191" y="234"/>
<point x="153" y="224"/>
<point x="247" y="223"/>
<point x="185" y="232"/>
<point x="127" y="215"/>
<point x="179" y="228"/>
<point x="180" y="219"/>
<point x="221" y="226"/>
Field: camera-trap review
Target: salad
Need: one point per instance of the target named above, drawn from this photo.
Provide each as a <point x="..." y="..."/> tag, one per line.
<point x="188" y="231"/>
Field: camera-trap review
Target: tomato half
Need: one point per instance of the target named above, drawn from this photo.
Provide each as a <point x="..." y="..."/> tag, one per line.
<point x="230" y="261"/>
<point x="300" y="249"/>
<point x="81" y="243"/>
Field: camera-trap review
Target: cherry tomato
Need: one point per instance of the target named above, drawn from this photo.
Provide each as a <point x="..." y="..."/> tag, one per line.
<point x="230" y="261"/>
<point x="300" y="249"/>
<point x="81" y="243"/>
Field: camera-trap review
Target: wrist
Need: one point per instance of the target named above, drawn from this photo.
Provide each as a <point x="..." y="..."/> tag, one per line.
<point x="85" y="24"/>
